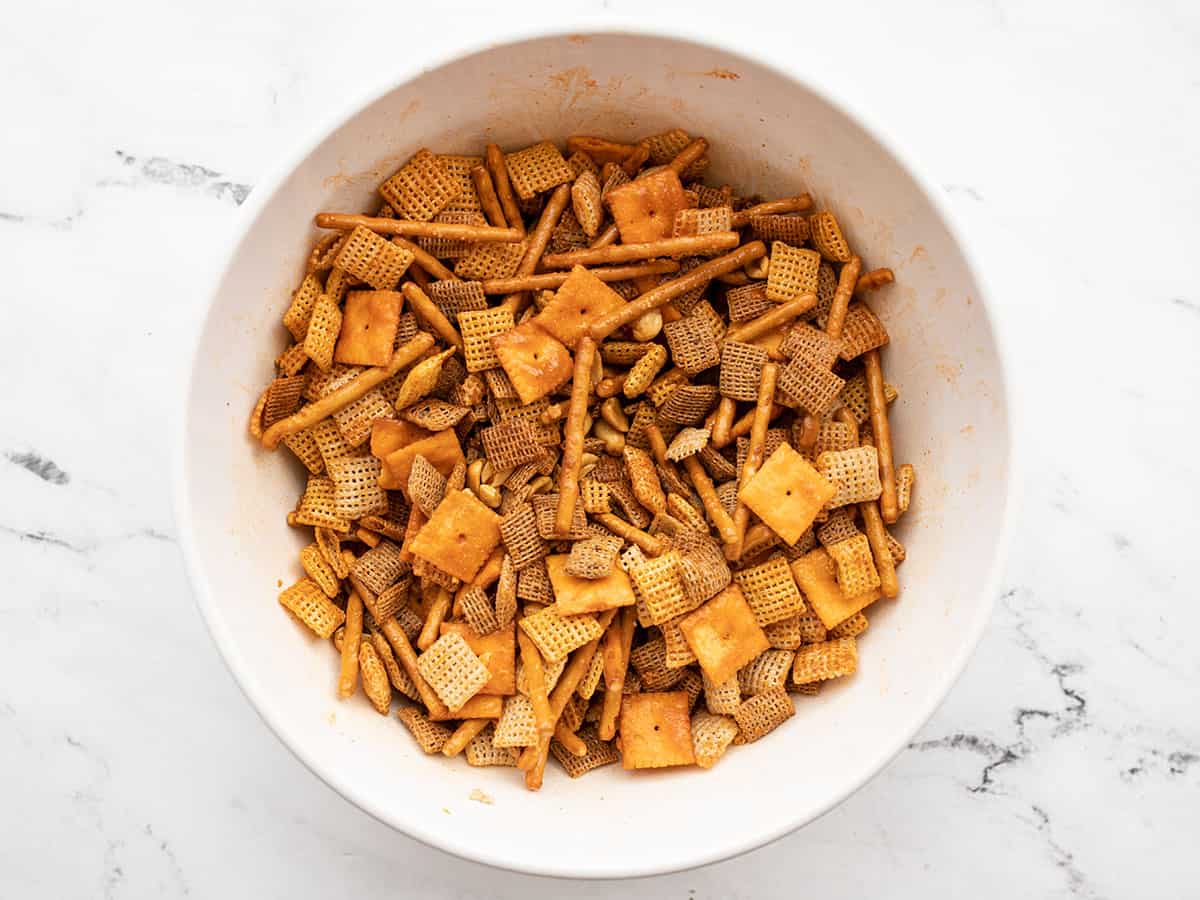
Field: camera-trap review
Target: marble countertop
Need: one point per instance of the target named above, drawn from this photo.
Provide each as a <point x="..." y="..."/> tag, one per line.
<point x="1066" y="762"/>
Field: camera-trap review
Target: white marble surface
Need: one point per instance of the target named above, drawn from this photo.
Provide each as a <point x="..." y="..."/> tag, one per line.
<point x="1066" y="763"/>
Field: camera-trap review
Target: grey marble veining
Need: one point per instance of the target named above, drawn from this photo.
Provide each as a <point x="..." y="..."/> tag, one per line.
<point x="1065" y="763"/>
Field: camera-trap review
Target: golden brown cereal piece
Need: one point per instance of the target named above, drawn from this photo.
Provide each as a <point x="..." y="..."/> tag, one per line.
<point x="315" y="567"/>
<point x="741" y="370"/>
<point x="574" y="595"/>
<point x="834" y="435"/>
<point x="748" y="302"/>
<point x="811" y="344"/>
<point x="524" y="542"/>
<point x="856" y="572"/>
<point x="459" y="536"/>
<point x="688" y="442"/>
<point x="421" y="379"/>
<point x="293" y="359"/>
<point x="644" y="480"/>
<point x="535" y="362"/>
<point x="453" y="670"/>
<point x="711" y="737"/>
<point x="380" y="567"/>
<point x="815" y="388"/>
<point x="678" y="652"/>
<point x="398" y="677"/>
<point x="511" y="443"/>
<point x="490" y="260"/>
<point x="854" y="397"/>
<point x="790" y="633"/>
<point x="368" y="332"/>
<point x="422" y="188"/>
<point x="356" y="421"/>
<point x="906" y="477"/>
<point x="793" y="272"/>
<point x="329" y="544"/>
<point x="767" y="671"/>
<point x="814" y="572"/>
<point x="517" y="726"/>
<point x="435" y="415"/>
<point x="585" y="200"/>
<point x="839" y="527"/>
<point x="582" y="299"/>
<point x="477" y="610"/>
<point x="770" y="590"/>
<point x="441" y="449"/>
<point x="861" y="332"/>
<point x="855" y="472"/>
<point x="593" y="559"/>
<point x="307" y="602"/>
<point x="429" y="735"/>
<point x="851" y="628"/>
<point x="374" y="678"/>
<point x="536" y="169"/>
<point x="723" y="698"/>
<point x="645" y="209"/>
<point x="478" y="327"/>
<point x="299" y="311"/>
<point x="599" y="753"/>
<point x="281" y="399"/>
<point x="826" y="236"/>
<point x="373" y="259"/>
<point x="324" y="325"/>
<point x="702" y="221"/>
<point x="791" y="230"/>
<point x="557" y="635"/>
<point x="481" y="751"/>
<point x="689" y="404"/>
<point x="497" y="651"/>
<point x="702" y="566"/>
<point x="820" y="662"/>
<point x="317" y="506"/>
<point x="763" y="713"/>
<point x="656" y="731"/>
<point x="787" y="493"/>
<point x="458" y="169"/>
<point x="660" y="587"/>
<point x="693" y="346"/>
<point x="723" y="634"/>
<point x="545" y="508"/>
<point x="594" y="495"/>
<point x="453" y="297"/>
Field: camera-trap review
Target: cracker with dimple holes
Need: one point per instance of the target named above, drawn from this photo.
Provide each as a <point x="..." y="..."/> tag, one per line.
<point x="763" y="713"/>
<point x="380" y="567"/>
<point x="811" y="344"/>
<point x="536" y="362"/>
<point x="429" y="735"/>
<point x="599" y="753"/>
<point x="517" y="726"/>
<point x="434" y="414"/>
<point x="478" y="327"/>
<point x="815" y="573"/>
<point x="689" y="404"/>
<point x="723" y="634"/>
<point x="299" y="311"/>
<point x="688" y="442"/>
<point x="656" y="731"/>
<point x="851" y="628"/>
<point x="356" y="490"/>
<point x="454" y="297"/>
<point x="459" y="536"/>
<point x="748" y="301"/>
<point x="854" y="471"/>
<point x="812" y="387"/>
<point x="316" y="568"/>
<point x="856" y="572"/>
<point x="692" y="345"/>
<point x="658" y="584"/>
<point x="368" y="332"/>
<point x="511" y="443"/>
<point x="707" y="220"/>
<point x="536" y="169"/>
<point x="307" y="602"/>
<point x="741" y="370"/>
<point x="580" y="300"/>
<point x="282" y="399"/>
<point x="316" y="506"/>
<point x="862" y="331"/>
<point x="421" y="188"/>
<point x="592" y="559"/>
<point x="791" y="230"/>
<point x="490" y="260"/>
<point x="645" y="209"/>
<point x="820" y="662"/>
<point x="557" y="635"/>
<point x="722" y="698"/>
<point x="323" y="327"/>
<point x="767" y="671"/>
<point x="826" y="235"/>
<point x="770" y="590"/>
<point x="576" y="594"/>
<point x="839" y="527"/>
<point x="453" y="671"/>
<point x="545" y="507"/>
<point x="643" y="479"/>
<point x="482" y="752"/>
<point x="793" y="271"/>
<point x="426" y="485"/>
<point x="787" y="493"/>
<point x="711" y="737"/>
<point x="373" y="259"/>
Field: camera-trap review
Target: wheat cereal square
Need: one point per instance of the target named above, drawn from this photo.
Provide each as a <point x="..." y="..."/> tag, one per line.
<point x="557" y="635"/>
<point x="422" y="188"/>
<point x="307" y="602"/>
<point x="763" y="713"/>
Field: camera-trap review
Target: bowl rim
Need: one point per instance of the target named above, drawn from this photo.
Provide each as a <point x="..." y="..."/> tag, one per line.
<point x="444" y="54"/>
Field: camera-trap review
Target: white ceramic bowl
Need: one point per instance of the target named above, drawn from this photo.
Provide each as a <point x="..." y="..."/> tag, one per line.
<point x="770" y="134"/>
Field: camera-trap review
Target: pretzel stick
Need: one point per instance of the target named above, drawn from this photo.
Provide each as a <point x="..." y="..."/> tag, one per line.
<point x="426" y="260"/>
<point x="799" y="203"/>
<point x="538" y="240"/>
<point x="434" y="618"/>
<point x="742" y="426"/>
<point x="423" y="306"/>
<point x="676" y="287"/>
<point x="877" y="538"/>
<point x="842" y="414"/>
<point x="708" y="496"/>
<point x="408" y="658"/>
<point x="870" y="281"/>
<point x="487" y="196"/>
<point x="611" y="385"/>
<point x="622" y="529"/>
<point x="508" y="201"/>
<point x="547" y="281"/>
<point x="847" y="278"/>
<point x="351" y="637"/>
<point x="757" y="534"/>
<point x="463" y="735"/>
<point x="570" y="740"/>
<point x="636" y="160"/>
<point x="772" y="319"/>
<point x="418" y="275"/>
<point x="608" y="236"/>
<point x="688" y="155"/>
<point x="314" y="412"/>
<point x="617" y="643"/>
<point x="601" y="150"/>
<point x="568" y="477"/>
<point x="658" y="447"/>
<point x="535" y="677"/>
<point x="754" y="456"/>
<point x="478" y="234"/>
<point x="693" y="245"/>
<point x="810" y="430"/>
<point x="889" y="506"/>
<point x="722" y="421"/>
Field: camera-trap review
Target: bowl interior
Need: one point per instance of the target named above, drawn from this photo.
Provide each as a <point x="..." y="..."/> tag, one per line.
<point x="770" y="135"/>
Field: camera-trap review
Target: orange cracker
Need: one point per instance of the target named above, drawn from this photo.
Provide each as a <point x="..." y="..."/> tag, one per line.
<point x="645" y="209"/>
<point x="369" y="320"/>
<point x="724" y="634"/>
<point x="441" y="449"/>
<point x="815" y="574"/>
<point x="582" y="299"/>
<point x="575" y="595"/>
<point x="787" y="493"/>
<point x="656" y="731"/>
<point x="535" y="361"/>
<point x="459" y="536"/>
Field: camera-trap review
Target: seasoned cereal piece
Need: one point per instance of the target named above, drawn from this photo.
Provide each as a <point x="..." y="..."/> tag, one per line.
<point x="557" y="635"/>
<point x="763" y="713"/>
<point x="442" y="450"/>
<point x="711" y="737"/>
<point x="536" y="169"/>
<point x="454" y="672"/>
<point x="820" y="662"/>
<point x="656" y="731"/>
<point x="770" y="590"/>
<point x="307" y="602"/>
<point x="815" y="573"/>
<point x="599" y="753"/>
<point x="422" y="188"/>
<point x="429" y="735"/>
<point x="793" y="272"/>
<point x="856" y="572"/>
<point x="373" y="259"/>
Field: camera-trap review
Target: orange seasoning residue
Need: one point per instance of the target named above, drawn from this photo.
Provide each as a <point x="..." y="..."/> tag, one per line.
<point x="725" y="74"/>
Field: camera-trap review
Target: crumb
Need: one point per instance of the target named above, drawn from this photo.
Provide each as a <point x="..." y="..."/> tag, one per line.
<point x="446" y="811"/>
<point x="480" y="797"/>
<point x="332" y="717"/>
<point x="278" y="582"/>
